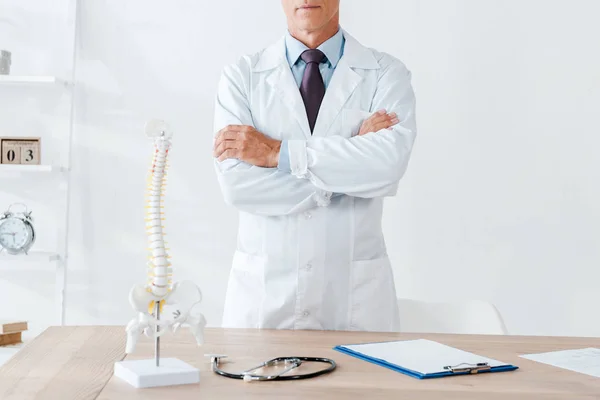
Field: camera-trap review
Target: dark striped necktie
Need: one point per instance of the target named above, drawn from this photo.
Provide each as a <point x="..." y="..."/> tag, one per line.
<point x="312" y="87"/>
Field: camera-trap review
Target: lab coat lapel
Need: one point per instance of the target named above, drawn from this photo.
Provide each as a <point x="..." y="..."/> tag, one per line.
<point x="343" y="83"/>
<point x="282" y="82"/>
<point x="346" y="78"/>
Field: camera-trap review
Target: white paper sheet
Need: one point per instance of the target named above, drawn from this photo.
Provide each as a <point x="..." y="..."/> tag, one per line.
<point x="585" y="361"/>
<point x="421" y="355"/>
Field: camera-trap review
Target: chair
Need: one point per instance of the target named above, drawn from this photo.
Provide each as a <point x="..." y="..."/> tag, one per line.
<point x="468" y="317"/>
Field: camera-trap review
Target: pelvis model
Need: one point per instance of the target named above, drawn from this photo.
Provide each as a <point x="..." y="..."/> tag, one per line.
<point x="151" y="300"/>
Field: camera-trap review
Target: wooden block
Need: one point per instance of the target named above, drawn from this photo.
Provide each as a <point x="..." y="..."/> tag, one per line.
<point x="11" y="153"/>
<point x="10" y="338"/>
<point x="20" y="150"/>
<point x="30" y="153"/>
<point x="13" y="326"/>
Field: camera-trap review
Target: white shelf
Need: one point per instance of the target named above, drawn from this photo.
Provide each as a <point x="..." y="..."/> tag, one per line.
<point x="30" y="168"/>
<point x="32" y="256"/>
<point x="31" y="80"/>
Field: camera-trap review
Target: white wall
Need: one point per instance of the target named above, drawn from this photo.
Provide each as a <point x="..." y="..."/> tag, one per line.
<point x="500" y="201"/>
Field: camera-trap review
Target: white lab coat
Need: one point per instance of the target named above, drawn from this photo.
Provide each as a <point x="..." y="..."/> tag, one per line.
<point x="310" y="252"/>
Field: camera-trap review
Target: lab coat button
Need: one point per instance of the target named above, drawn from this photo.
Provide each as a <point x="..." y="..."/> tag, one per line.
<point x="307" y="215"/>
<point x="308" y="266"/>
<point x="306" y="313"/>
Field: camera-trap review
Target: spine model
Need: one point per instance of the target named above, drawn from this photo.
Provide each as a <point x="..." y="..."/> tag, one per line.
<point x="149" y="299"/>
<point x="159" y="271"/>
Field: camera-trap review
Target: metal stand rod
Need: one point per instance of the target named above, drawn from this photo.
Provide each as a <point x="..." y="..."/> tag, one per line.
<point x="157" y="339"/>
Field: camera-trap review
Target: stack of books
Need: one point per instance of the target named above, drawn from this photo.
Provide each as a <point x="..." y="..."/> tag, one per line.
<point x="10" y="332"/>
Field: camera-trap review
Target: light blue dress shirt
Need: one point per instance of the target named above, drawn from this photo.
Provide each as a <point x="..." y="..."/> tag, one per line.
<point x="333" y="48"/>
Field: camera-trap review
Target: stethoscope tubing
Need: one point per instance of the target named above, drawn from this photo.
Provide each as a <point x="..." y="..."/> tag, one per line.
<point x="332" y="366"/>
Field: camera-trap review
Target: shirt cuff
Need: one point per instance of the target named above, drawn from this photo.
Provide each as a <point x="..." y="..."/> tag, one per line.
<point x="298" y="158"/>
<point x="284" y="157"/>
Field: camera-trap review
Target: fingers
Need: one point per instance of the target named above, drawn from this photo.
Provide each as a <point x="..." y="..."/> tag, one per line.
<point x="378" y="121"/>
<point x="393" y="118"/>
<point x="231" y="132"/>
<point x="378" y="117"/>
<point x="229" y="141"/>
<point x="383" y="125"/>
<point x="228" y="135"/>
<point x="392" y="122"/>
<point x="229" y="153"/>
<point x="387" y="124"/>
<point x="224" y="136"/>
<point x="235" y="128"/>
<point x="224" y="146"/>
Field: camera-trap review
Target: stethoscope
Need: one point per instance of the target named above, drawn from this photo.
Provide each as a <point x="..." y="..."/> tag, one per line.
<point x="289" y="362"/>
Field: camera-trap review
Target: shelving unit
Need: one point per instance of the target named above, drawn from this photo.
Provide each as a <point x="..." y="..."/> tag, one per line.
<point x="59" y="257"/>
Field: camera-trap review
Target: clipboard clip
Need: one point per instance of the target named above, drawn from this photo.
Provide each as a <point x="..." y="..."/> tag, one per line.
<point x="470" y="368"/>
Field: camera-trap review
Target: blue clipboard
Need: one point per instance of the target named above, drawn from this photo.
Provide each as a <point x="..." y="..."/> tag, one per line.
<point x="455" y="370"/>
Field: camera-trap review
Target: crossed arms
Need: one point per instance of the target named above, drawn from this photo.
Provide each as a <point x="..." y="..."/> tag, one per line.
<point x="366" y="165"/>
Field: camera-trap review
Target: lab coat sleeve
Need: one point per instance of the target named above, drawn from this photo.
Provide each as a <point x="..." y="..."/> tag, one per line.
<point x="370" y="165"/>
<point x="257" y="190"/>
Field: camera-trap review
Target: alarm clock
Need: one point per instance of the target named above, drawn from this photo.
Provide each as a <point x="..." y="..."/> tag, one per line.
<point x="17" y="233"/>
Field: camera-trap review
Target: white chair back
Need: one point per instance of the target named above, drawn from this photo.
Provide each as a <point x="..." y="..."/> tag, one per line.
<point x="468" y="317"/>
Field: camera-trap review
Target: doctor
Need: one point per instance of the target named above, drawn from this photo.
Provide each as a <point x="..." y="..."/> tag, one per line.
<point x="311" y="134"/>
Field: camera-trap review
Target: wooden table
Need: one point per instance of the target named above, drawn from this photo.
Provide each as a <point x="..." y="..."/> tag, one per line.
<point x="77" y="363"/>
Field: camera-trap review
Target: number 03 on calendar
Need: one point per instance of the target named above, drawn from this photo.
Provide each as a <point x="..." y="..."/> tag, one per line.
<point x="17" y="150"/>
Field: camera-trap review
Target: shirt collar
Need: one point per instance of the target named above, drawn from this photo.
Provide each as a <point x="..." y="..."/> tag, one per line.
<point x="333" y="48"/>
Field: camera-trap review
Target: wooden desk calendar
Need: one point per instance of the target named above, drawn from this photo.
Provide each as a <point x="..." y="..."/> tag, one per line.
<point x="20" y="150"/>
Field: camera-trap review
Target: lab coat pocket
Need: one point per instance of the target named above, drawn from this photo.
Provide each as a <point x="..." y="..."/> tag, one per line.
<point x="352" y="120"/>
<point x="373" y="303"/>
<point x="245" y="291"/>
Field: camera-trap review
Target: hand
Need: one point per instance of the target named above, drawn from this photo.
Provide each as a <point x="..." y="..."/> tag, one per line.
<point x="379" y="120"/>
<point x="247" y="144"/>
